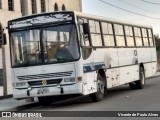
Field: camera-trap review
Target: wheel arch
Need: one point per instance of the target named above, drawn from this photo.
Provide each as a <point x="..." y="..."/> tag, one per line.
<point x="141" y="65"/>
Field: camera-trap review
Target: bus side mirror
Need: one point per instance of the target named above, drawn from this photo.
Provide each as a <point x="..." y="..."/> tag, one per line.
<point x="4" y="39"/>
<point x="86" y="28"/>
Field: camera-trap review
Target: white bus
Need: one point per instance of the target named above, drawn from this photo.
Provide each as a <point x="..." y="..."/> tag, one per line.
<point x="72" y="53"/>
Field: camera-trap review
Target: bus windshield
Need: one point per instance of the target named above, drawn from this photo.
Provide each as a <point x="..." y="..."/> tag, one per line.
<point x="53" y="44"/>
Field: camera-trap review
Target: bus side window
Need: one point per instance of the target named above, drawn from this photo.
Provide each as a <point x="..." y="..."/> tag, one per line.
<point x="96" y="37"/>
<point x="107" y="31"/>
<point x="150" y="37"/>
<point x="119" y="35"/>
<point x="145" y="37"/>
<point x="129" y="36"/>
<point x="138" y="37"/>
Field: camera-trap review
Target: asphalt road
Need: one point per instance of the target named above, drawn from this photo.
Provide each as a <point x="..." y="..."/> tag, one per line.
<point x="117" y="99"/>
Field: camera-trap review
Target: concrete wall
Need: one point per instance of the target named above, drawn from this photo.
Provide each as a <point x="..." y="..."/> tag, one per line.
<point x="5" y="16"/>
<point x="69" y="4"/>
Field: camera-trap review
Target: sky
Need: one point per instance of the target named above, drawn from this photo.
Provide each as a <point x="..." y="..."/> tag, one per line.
<point x="150" y="8"/>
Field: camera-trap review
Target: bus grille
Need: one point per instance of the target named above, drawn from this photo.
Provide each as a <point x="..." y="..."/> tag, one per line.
<point x="47" y="82"/>
<point x="45" y="76"/>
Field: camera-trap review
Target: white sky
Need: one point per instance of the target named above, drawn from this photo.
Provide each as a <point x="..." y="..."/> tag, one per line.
<point x="97" y="7"/>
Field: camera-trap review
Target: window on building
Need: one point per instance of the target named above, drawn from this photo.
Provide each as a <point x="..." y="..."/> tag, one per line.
<point x="0" y="4"/>
<point x="108" y="36"/>
<point x="129" y="35"/>
<point x="95" y="33"/>
<point x="150" y="37"/>
<point x="119" y="35"/>
<point x="137" y="32"/>
<point x="43" y="6"/>
<point x="1" y="77"/>
<point x="63" y="7"/>
<point x="55" y="7"/>
<point x="0" y="35"/>
<point x="10" y="5"/>
<point x="34" y="6"/>
<point x="23" y="7"/>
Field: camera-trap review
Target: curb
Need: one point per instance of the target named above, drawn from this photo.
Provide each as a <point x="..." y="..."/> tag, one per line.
<point x="6" y="97"/>
<point x="154" y="76"/>
<point x="32" y="105"/>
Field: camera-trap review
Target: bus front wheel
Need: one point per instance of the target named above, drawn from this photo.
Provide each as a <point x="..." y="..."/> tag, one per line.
<point x="101" y="90"/>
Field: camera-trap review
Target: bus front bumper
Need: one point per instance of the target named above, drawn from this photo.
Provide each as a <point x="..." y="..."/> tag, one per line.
<point x="22" y="93"/>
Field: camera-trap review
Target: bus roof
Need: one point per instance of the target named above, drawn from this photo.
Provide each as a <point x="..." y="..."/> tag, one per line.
<point x="91" y="16"/>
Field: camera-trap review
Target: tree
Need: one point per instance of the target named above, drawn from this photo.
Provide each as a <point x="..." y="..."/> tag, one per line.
<point x="157" y="40"/>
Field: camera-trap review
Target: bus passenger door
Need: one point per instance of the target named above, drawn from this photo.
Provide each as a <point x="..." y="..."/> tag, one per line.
<point x="89" y="68"/>
<point x="88" y="62"/>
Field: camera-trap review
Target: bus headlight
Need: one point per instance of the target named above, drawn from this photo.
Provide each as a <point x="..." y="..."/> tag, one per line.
<point x="69" y="80"/>
<point x="20" y="84"/>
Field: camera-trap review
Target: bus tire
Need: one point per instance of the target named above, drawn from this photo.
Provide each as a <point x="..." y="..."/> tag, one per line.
<point x="45" y="101"/>
<point x="101" y="90"/>
<point x="141" y="82"/>
<point x="132" y="86"/>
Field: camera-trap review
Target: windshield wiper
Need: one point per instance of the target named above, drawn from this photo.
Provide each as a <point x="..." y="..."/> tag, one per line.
<point x="32" y="55"/>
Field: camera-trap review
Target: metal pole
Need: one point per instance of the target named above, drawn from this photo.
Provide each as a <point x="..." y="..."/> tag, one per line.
<point x="4" y="67"/>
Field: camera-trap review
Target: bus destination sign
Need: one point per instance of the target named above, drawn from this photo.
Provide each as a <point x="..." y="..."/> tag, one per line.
<point x="40" y="19"/>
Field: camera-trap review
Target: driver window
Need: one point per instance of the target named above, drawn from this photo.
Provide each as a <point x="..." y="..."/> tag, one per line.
<point x="84" y="37"/>
<point x="86" y="47"/>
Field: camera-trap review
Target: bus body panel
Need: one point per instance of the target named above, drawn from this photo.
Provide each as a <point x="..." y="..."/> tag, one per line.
<point x="34" y="76"/>
<point x="53" y="91"/>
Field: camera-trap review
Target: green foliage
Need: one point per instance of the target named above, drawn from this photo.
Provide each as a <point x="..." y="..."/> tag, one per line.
<point x="157" y="40"/>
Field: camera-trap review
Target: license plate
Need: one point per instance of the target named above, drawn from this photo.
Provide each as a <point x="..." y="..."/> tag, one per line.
<point x="43" y="90"/>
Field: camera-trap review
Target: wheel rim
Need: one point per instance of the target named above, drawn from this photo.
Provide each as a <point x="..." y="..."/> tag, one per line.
<point x="100" y="86"/>
<point x="142" y="78"/>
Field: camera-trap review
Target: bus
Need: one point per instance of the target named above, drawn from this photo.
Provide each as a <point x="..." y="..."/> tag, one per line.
<point x="72" y="53"/>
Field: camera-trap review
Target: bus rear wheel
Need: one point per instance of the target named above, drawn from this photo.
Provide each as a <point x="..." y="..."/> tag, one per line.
<point x="141" y="82"/>
<point x="101" y="90"/>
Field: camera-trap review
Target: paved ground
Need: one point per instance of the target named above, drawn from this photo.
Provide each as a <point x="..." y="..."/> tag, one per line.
<point x="10" y="104"/>
<point x="14" y="105"/>
<point x="118" y="99"/>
